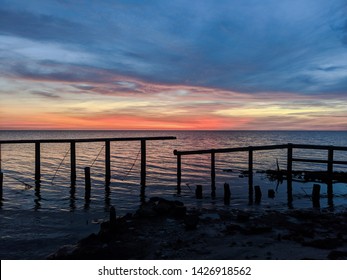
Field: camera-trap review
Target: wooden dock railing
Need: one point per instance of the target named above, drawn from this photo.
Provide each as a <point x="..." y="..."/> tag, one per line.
<point x="73" y="142"/>
<point x="251" y="149"/>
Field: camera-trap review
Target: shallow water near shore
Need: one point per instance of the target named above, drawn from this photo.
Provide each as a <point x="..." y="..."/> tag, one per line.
<point x="33" y="224"/>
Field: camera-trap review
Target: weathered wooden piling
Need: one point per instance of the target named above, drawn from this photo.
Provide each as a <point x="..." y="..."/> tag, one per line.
<point x="257" y="194"/>
<point x="290" y="174"/>
<point x="213" y="175"/>
<point x="0" y="159"/>
<point x="1" y="184"/>
<point x="73" y="162"/>
<point x="73" y="142"/>
<point x="37" y="162"/>
<point x="227" y="194"/>
<point x="316" y="195"/>
<point x="250" y="175"/>
<point x="113" y="217"/>
<point x="143" y="167"/>
<point x="198" y="192"/>
<point x="107" y="163"/>
<point x="330" y="170"/>
<point x="271" y="193"/>
<point x="330" y="193"/>
<point x="179" y="172"/>
<point x="88" y="184"/>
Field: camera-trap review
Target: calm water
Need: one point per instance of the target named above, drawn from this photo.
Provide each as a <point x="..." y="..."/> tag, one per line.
<point x="56" y="216"/>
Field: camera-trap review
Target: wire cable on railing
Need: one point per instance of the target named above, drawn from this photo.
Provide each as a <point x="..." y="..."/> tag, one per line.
<point x="27" y="186"/>
<point x="55" y="174"/>
<point x="97" y="155"/>
<point x="132" y="166"/>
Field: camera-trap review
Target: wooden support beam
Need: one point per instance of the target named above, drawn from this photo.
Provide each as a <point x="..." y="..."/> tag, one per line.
<point x="73" y="162"/>
<point x="316" y="195"/>
<point x="250" y="175"/>
<point x="258" y="194"/>
<point x="198" y="192"/>
<point x="107" y="163"/>
<point x="330" y="169"/>
<point x="37" y="162"/>
<point x="113" y="217"/>
<point x="330" y="162"/>
<point x="227" y="194"/>
<point x="143" y="167"/>
<point x="88" y="184"/>
<point x="213" y="175"/>
<point x="179" y="172"/>
<point x="290" y="175"/>
<point x="1" y="184"/>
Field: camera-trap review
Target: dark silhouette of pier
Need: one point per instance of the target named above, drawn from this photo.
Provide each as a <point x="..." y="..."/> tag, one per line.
<point x="73" y="142"/>
<point x="254" y="192"/>
<point x="329" y="174"/>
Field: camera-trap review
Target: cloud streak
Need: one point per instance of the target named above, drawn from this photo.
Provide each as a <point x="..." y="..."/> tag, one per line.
<point x="176" y="64"/>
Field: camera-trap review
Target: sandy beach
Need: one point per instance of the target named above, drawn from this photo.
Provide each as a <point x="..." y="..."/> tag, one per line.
<point x="163" y="229"/>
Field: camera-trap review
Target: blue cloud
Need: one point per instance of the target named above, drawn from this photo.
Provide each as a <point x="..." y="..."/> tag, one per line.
<point x="247" y="46"/>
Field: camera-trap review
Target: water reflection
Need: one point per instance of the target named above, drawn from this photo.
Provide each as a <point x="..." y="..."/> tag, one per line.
<point x="72" y="204"/>
<point x="37" y="195"/>
<point x="107" y="197"/>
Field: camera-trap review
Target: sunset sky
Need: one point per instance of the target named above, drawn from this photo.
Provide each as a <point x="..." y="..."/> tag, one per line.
<point x="128" y="64"/>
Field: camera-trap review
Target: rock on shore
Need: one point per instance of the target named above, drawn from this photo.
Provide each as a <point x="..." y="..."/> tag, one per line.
<point x="163" y="229"/>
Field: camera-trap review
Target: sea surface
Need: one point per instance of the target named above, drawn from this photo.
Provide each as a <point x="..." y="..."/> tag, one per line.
<point x="36" y="222"/>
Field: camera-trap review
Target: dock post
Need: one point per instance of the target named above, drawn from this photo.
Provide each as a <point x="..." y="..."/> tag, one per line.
<point x="198" y="192"/>
<point x="330" y="176"/>
<point x="213" y="175"/>
<point x="250" y="175"/>
<point x="113" y="217"/>
<point x="107" y="163"/>
<point x="290" y="175"/>
<point x="37" y="162"/>
<point x="227" y="194"/>
<point x="87" y="183"/>
<point x="1" y="184"/>
<point x="179" y="172"/>
<point x="143" y="167"/>
<point x="258" y="194"/>
<point x="73" y="162"/>
<point x="316" y="195"/>
<point x="0" y="158"/>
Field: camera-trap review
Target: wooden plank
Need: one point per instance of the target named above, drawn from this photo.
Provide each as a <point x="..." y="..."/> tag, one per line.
<point x="86" y="140"/>
<point x="319" y="147"/>
<point x="339" y="162"/>
<point x="231" y="150"/>
<point x="310" y="160"/>
<point x="260" y="148"/>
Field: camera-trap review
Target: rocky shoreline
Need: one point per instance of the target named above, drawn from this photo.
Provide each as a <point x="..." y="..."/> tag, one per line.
<point x="163" y="229"/>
